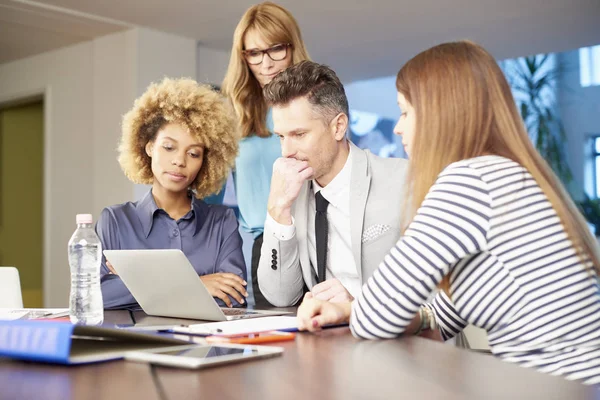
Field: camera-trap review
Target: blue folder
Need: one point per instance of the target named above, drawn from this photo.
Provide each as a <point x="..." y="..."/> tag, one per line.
<point x="65" y="343"/>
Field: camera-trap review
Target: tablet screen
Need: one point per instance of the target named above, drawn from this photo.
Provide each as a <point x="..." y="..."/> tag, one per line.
<point x="194" y="356"/>
<point x="211" y="351"/>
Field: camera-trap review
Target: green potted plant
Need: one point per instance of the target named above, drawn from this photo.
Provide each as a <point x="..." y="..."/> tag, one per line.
<point x="533" y="80"/>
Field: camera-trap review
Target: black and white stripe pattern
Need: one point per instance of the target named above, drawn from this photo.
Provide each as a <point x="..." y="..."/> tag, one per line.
<point x="513" y="271"/>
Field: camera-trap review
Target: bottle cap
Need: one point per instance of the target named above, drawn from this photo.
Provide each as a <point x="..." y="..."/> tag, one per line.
<point x="84" y="218"/>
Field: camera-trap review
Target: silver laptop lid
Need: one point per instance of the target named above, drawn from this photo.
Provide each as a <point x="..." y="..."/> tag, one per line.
<point x="165" y="283"/>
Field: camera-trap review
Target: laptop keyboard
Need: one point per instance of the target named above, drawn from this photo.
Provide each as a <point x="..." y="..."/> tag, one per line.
<point x="237" y="311"/>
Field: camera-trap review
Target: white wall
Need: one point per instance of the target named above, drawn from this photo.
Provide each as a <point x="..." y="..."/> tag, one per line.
<point x="87" y="88"/>
<point x="211" y="65"/>
<point x="114" y="90"/>
<point x="64" y="77"/>
<point x="580" y="111"/>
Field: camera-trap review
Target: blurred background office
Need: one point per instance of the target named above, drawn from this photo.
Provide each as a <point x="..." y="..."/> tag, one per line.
<point x="69" y="69"/>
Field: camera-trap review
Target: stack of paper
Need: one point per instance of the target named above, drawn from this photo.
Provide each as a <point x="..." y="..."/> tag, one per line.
<point x="10" y="314"/>
<point x="241" y="326"/>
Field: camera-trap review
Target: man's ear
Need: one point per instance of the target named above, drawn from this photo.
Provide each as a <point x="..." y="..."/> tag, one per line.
<point x="149" y="148"/>
<point x="339" y="126"/>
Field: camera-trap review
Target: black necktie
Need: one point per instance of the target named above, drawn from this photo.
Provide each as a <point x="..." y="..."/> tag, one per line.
<point x="321" y="229"/>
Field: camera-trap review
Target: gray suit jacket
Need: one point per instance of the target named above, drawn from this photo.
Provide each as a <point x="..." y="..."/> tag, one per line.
<point x="376" y="197"/>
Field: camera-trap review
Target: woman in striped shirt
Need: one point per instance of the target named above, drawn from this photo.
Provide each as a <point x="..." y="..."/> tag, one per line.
<point x="491" y="226"/>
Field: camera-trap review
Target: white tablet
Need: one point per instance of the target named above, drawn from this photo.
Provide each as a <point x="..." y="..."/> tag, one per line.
<point x="200" y="356"/>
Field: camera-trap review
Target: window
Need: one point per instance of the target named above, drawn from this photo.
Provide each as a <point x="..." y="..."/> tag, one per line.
<point x="595" y="140"/>
<point x="589" y="66"/>
<point x="371" y="131"/>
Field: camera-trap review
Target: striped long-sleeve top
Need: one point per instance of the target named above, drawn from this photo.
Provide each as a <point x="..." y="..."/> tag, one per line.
<point x="513" y="272"/>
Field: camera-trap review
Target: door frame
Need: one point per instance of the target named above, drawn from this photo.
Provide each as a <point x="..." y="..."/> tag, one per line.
<point x="15" y="99"/>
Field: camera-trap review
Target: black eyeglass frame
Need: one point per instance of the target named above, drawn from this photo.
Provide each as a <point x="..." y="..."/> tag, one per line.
<point x="267" y="52"/>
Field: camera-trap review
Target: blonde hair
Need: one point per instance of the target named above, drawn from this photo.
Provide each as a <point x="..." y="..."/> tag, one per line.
<point x="205" y="114"/>
<point x="276" y="25"/>
<point x="464" y="108"/>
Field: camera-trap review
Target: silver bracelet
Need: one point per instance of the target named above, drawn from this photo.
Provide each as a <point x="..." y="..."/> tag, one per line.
<point x="424" y="321"/>
<point x="431" y="318"/>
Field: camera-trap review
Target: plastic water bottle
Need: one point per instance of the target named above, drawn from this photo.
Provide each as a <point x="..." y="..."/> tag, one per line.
<point x="85" y="257"/>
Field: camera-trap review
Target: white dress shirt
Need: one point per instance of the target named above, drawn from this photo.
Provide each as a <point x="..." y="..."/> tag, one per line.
<point x="340" y="261"/>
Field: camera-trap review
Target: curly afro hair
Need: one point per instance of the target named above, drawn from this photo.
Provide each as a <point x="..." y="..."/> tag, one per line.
<point x="205" y="114"/>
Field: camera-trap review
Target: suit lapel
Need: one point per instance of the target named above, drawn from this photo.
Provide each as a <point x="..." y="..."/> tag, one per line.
<point x="301" y="221"/>
<point x="360" y="182"/>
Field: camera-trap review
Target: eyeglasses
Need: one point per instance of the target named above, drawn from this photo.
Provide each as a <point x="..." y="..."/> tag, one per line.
<point x="275" y="53"/>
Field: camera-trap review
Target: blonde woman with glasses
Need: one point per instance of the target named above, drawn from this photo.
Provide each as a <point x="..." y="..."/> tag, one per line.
<point x="266" y="41"/>
<point x="489" y="224"/>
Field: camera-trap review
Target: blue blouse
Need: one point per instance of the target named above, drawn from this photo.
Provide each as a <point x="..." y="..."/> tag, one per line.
<point x="252" y="179"/>
<point x="208" y="236"/>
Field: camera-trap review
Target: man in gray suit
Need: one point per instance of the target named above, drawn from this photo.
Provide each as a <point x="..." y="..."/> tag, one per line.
<point x="334" y="210"/>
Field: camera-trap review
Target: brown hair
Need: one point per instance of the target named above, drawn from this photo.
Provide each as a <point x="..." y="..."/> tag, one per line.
<point x="317" y="82"/>
<point x="464" y="105"/>
<point x="205" y="114"/>
<point x="277" y="25"/>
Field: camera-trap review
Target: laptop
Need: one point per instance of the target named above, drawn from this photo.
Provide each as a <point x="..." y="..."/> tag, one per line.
<point x="165" y="284"/>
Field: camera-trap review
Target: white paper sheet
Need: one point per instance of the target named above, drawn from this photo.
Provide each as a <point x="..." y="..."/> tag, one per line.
<point x="241" y="326"/>
<point x="9" y="314"/>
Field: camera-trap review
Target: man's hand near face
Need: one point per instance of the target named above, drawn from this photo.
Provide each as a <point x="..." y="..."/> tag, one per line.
<point x="288" y="177"/>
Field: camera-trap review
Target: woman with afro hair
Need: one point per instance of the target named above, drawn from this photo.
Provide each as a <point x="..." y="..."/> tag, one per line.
<point x="181" y="138"/>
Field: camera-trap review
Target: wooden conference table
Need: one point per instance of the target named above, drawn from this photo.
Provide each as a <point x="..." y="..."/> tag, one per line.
<point x="328" y="365"/>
